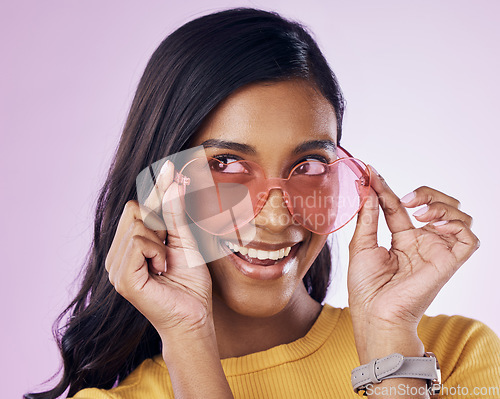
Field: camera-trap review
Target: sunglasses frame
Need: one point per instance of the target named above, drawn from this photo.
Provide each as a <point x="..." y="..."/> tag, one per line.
<point x="276" y="183"/>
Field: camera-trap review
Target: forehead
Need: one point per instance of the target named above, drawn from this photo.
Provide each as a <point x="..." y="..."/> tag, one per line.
<point x="268" y="114"/>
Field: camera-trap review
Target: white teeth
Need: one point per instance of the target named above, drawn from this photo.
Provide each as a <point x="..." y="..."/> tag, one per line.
<point x="274" y="255"/>
<point x="259" y="253"/>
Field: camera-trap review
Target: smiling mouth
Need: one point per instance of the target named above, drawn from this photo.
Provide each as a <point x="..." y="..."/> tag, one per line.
<point x="257" y="256"/>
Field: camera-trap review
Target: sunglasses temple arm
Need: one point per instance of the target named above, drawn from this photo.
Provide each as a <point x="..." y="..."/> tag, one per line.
<point x="346" y="154"/>
<point x="343" y="152"/>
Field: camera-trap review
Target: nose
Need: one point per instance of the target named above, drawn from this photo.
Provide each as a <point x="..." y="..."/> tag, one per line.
<point x="274" y="215"/>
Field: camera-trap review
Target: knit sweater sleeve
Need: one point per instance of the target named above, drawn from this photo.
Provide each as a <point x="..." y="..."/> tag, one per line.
<point x="469" y="355"/>
<point x="147" y="381"/>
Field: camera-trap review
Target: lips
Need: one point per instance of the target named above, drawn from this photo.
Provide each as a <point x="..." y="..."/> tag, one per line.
<point x="255" y="261"/>
<point x="261" y="269"/>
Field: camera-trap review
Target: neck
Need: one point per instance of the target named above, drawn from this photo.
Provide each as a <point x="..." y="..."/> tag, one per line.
<point x="239" y="335"/>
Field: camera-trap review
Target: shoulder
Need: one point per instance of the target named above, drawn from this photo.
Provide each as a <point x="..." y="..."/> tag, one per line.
<point x="468" y="352"/>
<point x="149" y="380"/>
<point x="455" y="335"/>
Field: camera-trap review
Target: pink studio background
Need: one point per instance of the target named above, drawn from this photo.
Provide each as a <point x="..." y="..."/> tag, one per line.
<point x="422" y="86"/>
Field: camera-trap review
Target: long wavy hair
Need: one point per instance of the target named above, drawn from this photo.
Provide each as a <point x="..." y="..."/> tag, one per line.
<point x="101" y="336"/>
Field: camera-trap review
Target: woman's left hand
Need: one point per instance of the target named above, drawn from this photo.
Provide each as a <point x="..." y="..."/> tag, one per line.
<point x="389" y="290"/>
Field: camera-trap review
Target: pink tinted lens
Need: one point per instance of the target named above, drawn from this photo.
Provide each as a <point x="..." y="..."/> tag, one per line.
<point x="219" y="199"/>
<point x="325" y="202"/>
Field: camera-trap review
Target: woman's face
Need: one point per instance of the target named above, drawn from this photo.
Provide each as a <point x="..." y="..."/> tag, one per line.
<point x="273" y="119"/>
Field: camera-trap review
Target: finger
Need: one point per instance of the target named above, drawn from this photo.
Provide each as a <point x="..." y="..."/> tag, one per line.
<point x="395" y="213"/>
<point x="126" y="217"/>
<point x="135" y="211"/>
<point x="467" y="242"/>
<point x="179" y="234"/>
<point x="131" y="223"/>
<point x="152" y="221"/>
<point x="441" y="211"/>
<point x="133" y="272"/>
<point x="427" y="195"/>
<point x="163" y="180"/>
<point x="365" y="233"/>
<point x="138" y="229"/>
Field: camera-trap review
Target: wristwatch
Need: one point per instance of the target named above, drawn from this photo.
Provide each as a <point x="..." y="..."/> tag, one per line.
<point x="398" y="366"/>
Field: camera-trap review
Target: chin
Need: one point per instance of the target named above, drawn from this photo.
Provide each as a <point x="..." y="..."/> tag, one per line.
<point x="256" y="301"/>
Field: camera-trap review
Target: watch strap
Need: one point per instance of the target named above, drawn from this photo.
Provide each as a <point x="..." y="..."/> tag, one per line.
<point x="394" y="366"/>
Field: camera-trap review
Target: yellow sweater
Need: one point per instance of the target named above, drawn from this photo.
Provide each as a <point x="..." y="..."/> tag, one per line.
<point x="319" y="364"/>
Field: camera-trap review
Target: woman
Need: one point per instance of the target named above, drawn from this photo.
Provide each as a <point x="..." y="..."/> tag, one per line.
<point x="170" y="309"/>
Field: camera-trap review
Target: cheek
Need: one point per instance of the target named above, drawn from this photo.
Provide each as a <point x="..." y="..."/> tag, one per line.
<point x="315" y="245"/>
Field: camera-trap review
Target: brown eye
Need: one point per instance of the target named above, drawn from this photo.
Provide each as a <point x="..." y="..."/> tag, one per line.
<point x="310" y="168"/>
<point x="220" y="165"/>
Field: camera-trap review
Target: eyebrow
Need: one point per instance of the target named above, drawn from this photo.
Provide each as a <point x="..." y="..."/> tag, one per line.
<point x="315" y="145"/>
<point x="229" y="145"/>
<point x="248" y="149"/>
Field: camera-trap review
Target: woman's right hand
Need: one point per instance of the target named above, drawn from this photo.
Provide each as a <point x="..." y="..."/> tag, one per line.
<point x="180" y="299"/>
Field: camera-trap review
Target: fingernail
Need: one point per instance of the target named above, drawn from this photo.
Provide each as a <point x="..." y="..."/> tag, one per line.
<point x="421" y="211"/>
<point x="440" y="223"/>
<point x="408" y="197"/>
<point x="478" y="243"/>
<point x="164" y="167"/>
